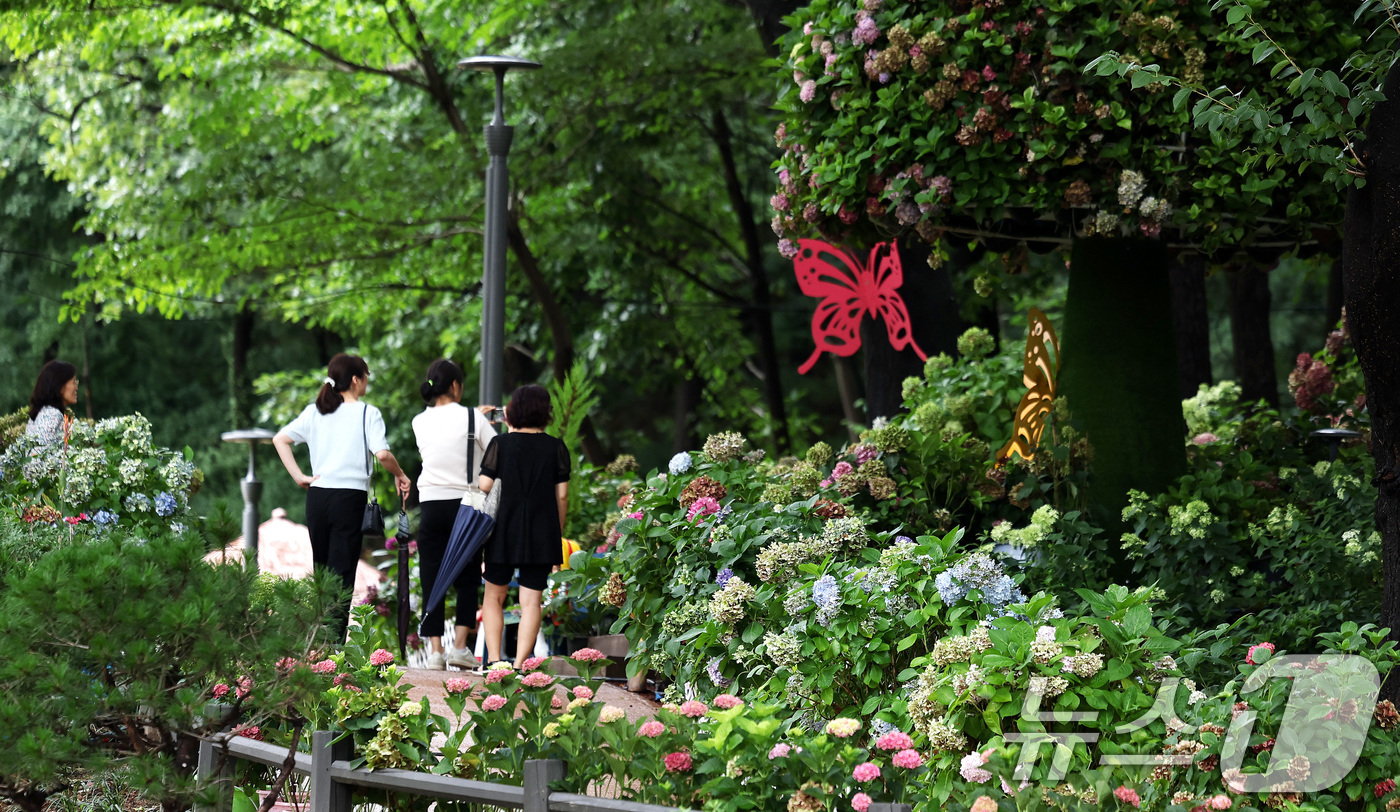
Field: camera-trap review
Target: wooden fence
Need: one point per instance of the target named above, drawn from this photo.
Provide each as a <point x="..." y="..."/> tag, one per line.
<point x="333" y="781"/>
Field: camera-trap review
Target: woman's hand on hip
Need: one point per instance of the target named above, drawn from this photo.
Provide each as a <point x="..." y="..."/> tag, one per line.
<point x="303" y="481"/>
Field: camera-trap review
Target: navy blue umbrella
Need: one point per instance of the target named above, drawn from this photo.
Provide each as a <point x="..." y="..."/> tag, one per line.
<point x="469" y="532"/>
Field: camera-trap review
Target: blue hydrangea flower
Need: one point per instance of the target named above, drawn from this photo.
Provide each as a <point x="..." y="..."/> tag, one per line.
<point x="719" y="679"/>
<point x="177" y="528"/>
<point x="949" y="591"/>
<point x="679" y="464"/>
<point x="165" y="504"/>
<point x="103" y="518"/>
<point x="137" y="503"/>
<point x="826" y="593"/>
<point x="724" y="576"/>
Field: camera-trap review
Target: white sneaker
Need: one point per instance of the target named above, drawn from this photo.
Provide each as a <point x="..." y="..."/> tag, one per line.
<point x="435" y="661"/>
<point x="461" y="658"/>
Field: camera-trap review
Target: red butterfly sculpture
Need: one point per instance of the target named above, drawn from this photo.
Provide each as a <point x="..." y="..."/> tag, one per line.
<point x="848" y="291"/>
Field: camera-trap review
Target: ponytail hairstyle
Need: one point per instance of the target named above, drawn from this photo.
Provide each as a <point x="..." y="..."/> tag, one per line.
<point x="48" y="389"/>
<point x="339" y="373"/>
<point x="441" y="375"/>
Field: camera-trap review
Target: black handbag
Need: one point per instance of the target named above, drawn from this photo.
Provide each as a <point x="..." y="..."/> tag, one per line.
<point x="373" y="522"/>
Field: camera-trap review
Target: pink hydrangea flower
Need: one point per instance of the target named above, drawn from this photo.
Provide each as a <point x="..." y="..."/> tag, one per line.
<point x="780" y="750"/>
<point x="326" y="666"/>
<point x="694" y="709"/>
<point x="1249" y="658"/>
<point x="286" y="664"/>
<point x="909" y="759"/>
<point x="413" y="548"/>
<point x="556" y="702"/>
<point x="494" y="702"/>
<point x="1127" y="796"/>
<point x="677" y="762"/>
<point x="861" y="802"/>
<point x="537" y="679"/>
<point x="245" y="686"/>
<point x="583" y="692"/>
<point x="704" y="506"/>
<point x="1204" y="438"/>
<point x="985" y="803"/>
<point x="971" y="768"/>
<point x="842" y="728"/>
<point x="989" y="74"/>
<point x="842" y="468"/>
<point x="457" y="685"/>
<point x="532" y="663"/>
<point x="894" y="740"/>
<point x="651" y="729"/>
<point x="589" y="655"/>
<point x="868" y="771"/>
<point x="727" y="701"/>
<point x="381" y="656"/>
<point x="787" y="248"/>
<point x="495" y="675"/>
<point x="779" y="202"/>
<point x="252" y="732"/>
<point x="341" y="679"/>
<point x="1220" y="802"/>
<point x="808" y="91"/>
<point x="220" y="691"/>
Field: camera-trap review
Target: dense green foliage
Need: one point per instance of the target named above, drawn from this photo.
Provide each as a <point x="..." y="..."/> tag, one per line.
<point x="110" y="645"/>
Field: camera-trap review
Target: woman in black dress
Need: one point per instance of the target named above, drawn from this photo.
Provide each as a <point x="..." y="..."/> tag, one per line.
<point x="532" y="469"/>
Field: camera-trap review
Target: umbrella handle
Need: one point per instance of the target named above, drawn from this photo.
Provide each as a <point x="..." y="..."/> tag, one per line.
<point x="403" y="589"/>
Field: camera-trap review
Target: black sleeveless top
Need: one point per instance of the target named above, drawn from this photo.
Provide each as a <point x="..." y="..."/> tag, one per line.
<point x="527" y="466"/>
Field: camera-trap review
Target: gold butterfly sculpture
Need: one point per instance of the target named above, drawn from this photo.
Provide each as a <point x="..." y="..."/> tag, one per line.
<point x="1040" y="364"/>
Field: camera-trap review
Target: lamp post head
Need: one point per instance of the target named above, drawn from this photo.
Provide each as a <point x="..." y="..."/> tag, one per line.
<point x="253" y="437"/>
<point x="248" y="436"/>
<point x="499" y="65"/>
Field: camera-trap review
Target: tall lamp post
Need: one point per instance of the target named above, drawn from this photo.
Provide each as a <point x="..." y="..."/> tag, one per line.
<point x="493" y="280"/>
<point x="252" y="489"/>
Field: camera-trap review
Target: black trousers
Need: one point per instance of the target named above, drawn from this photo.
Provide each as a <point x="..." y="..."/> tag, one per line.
<point x="333" y="516"/>
<point x="434" y="528"/>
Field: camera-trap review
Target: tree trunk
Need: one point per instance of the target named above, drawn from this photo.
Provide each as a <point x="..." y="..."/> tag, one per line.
<point x="1334" y="292"/>
<point x="87" y="372"/>
<point x="561" y="336"/>
<point x="933" y="322"/>
<point x="240" y="381"/>
<point x="1250" y="304"/>
<point x="1191" y="321"/>
<point x="1118" y="374"/>
<point x="688" y="394"/>
<point x="759" y="314"/>
<point x="768" y="17"/>
<point x="848" y="387"/>
<point x="1371" y="290"/>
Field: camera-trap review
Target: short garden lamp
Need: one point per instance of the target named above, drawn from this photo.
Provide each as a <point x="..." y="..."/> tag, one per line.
<point x="493" y="279"/>
<point x="1333" y="438"/>
<point x="252" y="489"/>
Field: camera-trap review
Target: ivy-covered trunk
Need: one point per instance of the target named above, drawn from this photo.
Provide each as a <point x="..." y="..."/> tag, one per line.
<point x="1371" y="288"/>
<point x="1119" y="371"/>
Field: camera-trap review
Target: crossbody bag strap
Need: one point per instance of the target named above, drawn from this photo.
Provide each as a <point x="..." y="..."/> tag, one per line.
<point x="471" y="446"/>
<point x="364" y="430"/>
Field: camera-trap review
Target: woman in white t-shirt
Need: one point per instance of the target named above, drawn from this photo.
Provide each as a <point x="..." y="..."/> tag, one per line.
<point x="345" y="436"/>
<point x="452" y="440"/>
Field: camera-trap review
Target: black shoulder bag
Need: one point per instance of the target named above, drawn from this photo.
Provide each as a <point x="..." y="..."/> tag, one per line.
<point x="373" y="522"/>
